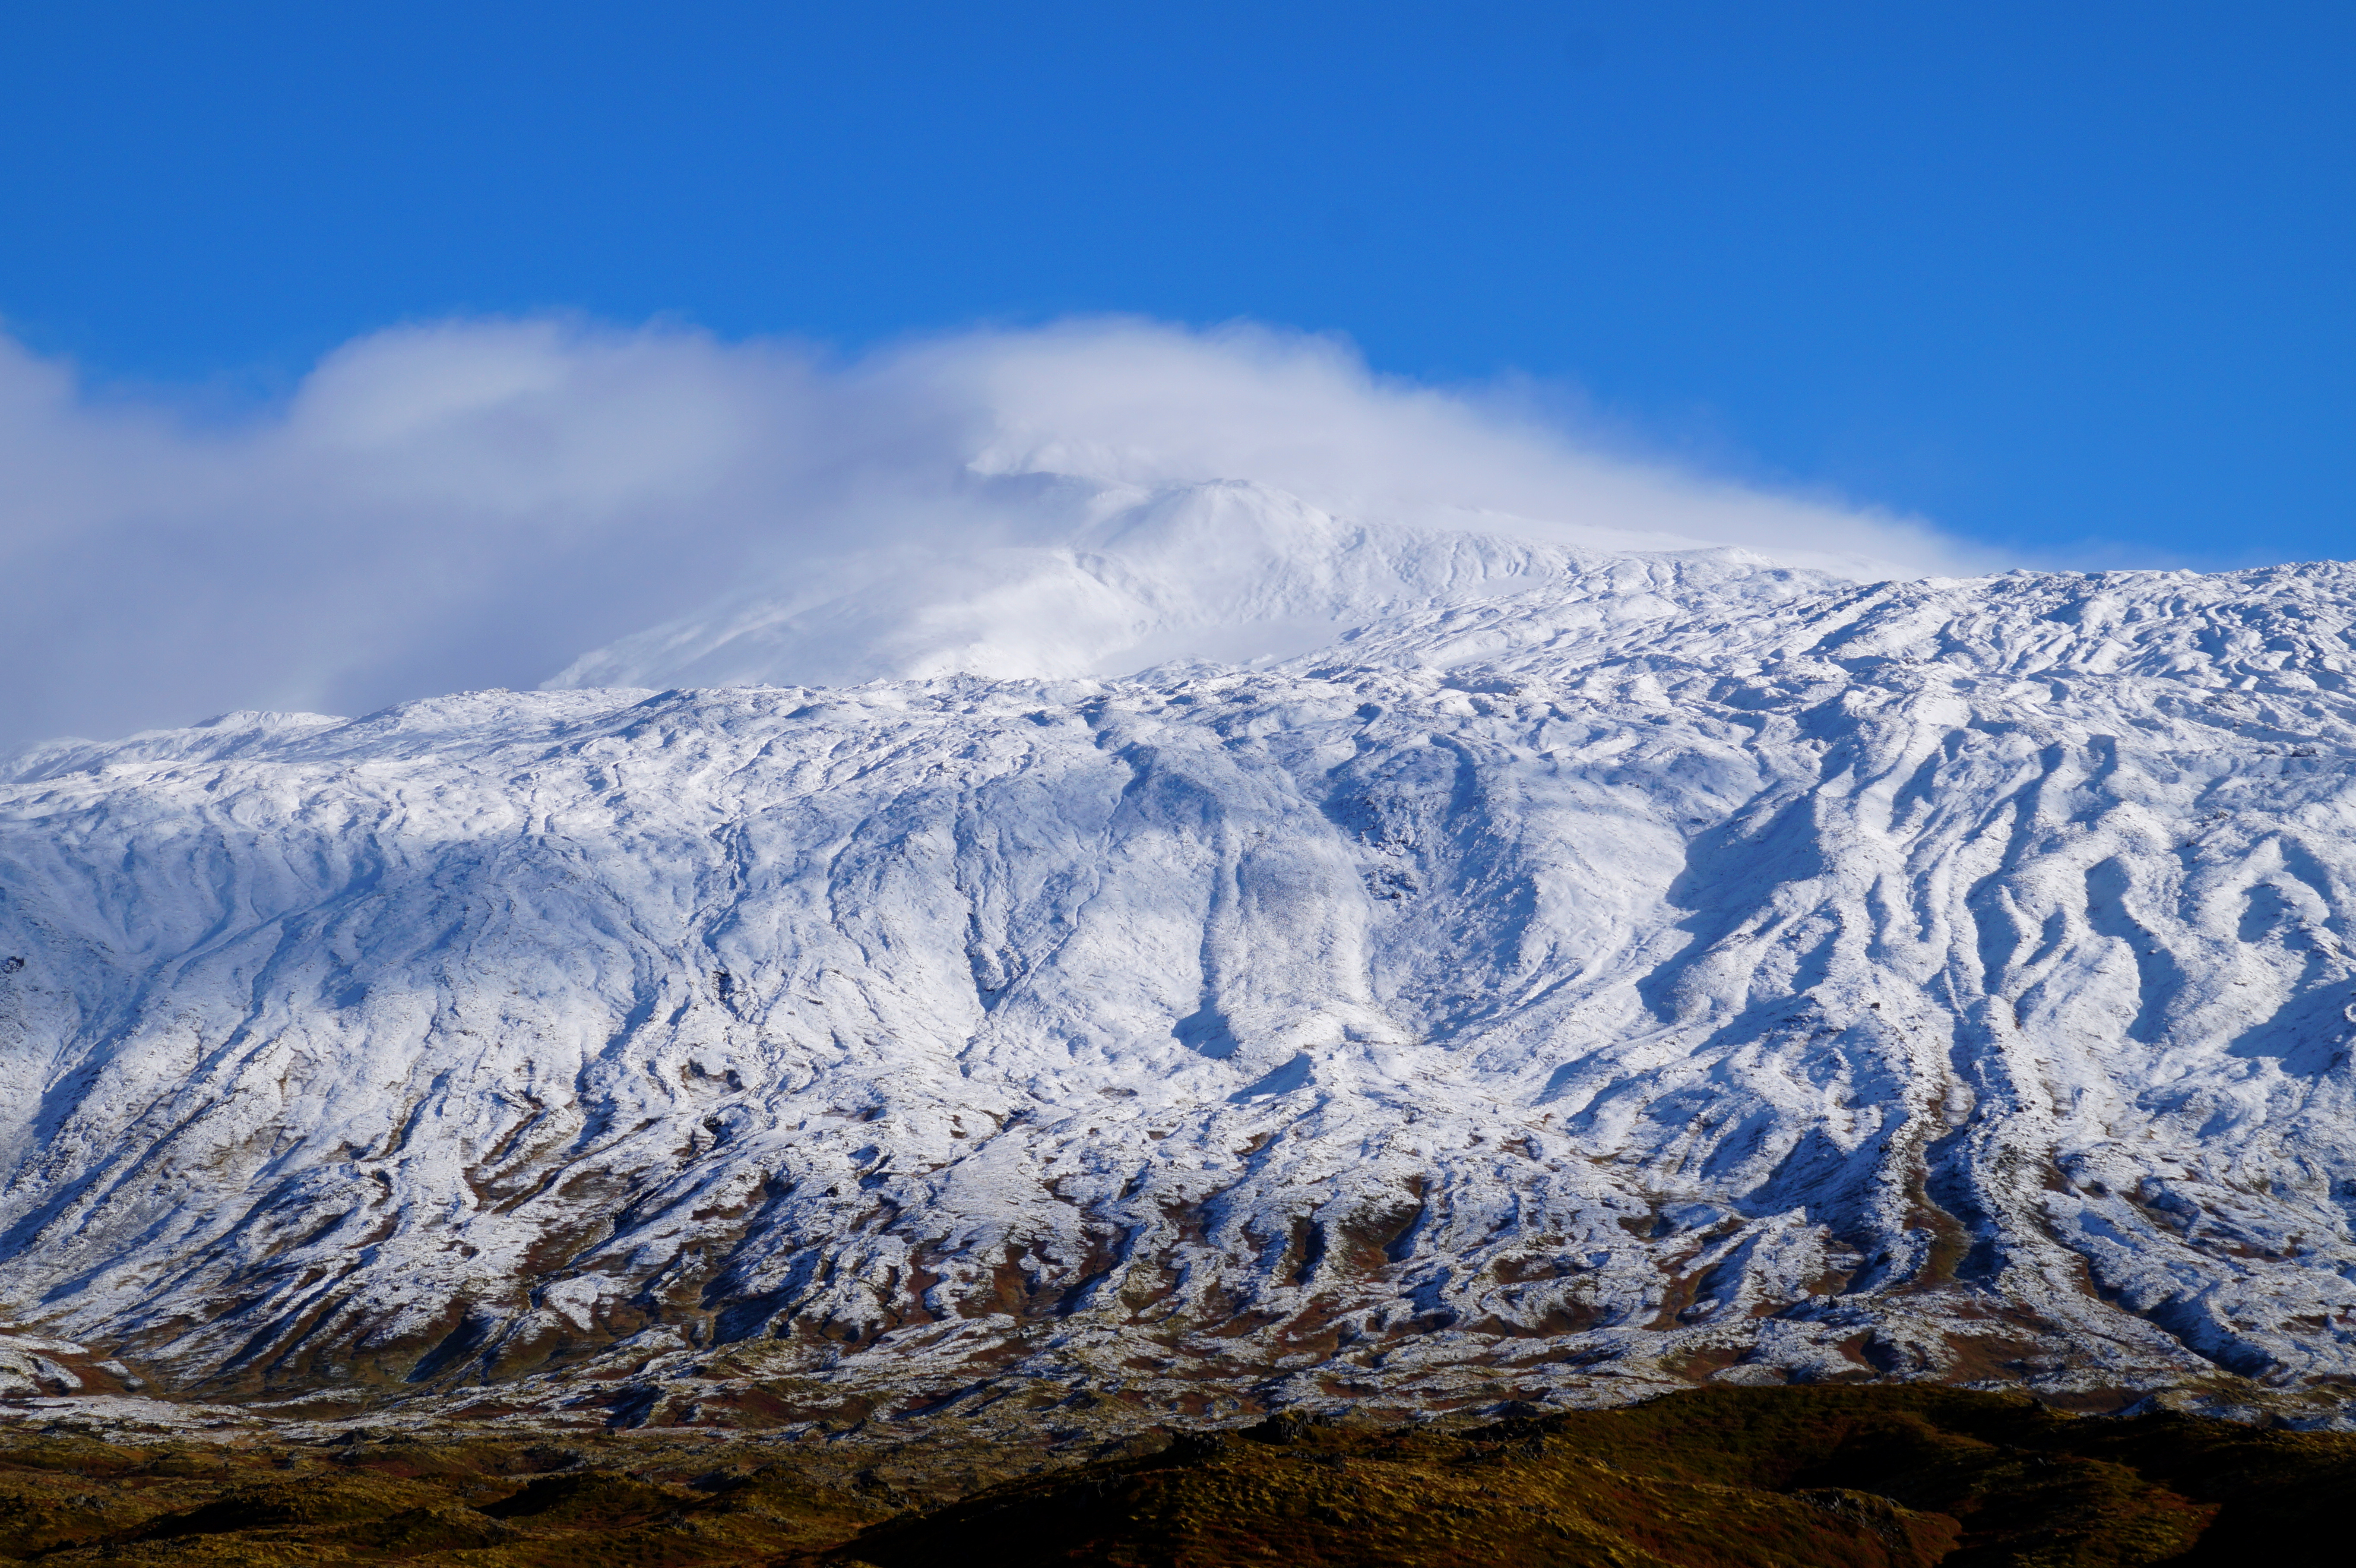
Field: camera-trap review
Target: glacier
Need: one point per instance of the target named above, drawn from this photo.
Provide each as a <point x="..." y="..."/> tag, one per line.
<point x="1576" y="973"/>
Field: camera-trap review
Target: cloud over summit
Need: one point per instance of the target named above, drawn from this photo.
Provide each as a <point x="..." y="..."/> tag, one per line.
<point x="476" y="502"/>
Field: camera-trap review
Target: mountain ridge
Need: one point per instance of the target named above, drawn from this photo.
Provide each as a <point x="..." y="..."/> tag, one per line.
<point x="1104" y="579"/>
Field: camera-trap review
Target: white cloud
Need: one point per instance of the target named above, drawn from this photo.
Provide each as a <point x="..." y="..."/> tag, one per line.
<point x="475" y="502"/>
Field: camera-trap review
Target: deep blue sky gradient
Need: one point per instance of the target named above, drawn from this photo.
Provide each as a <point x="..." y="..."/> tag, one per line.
<point x="2070" y="278"/>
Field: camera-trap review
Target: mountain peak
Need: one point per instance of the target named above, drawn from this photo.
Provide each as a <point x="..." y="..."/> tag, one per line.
<point x="1113" y="579"/>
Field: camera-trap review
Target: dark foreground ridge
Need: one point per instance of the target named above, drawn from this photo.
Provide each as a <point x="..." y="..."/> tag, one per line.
<point x="1858" y="1477"/>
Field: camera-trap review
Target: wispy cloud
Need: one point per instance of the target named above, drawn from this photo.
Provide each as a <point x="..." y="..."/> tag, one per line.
<point x="475" y="502"/>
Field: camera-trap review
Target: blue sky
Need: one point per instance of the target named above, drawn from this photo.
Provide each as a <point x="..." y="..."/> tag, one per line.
<point x="2064" y="278"/>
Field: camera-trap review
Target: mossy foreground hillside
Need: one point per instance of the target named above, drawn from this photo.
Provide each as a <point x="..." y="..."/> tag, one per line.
<point x="1900" y="1478"/>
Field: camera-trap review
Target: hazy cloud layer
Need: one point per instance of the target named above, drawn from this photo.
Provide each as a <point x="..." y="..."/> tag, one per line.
<point x="475" y="502"/>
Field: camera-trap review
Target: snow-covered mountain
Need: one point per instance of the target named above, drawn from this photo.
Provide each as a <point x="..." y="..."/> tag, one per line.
<point x="1586" y="968"/>
<point x="1110" y="579"/>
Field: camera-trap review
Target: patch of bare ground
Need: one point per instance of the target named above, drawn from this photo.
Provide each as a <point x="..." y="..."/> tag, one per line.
<point x="1884" y="1477"/>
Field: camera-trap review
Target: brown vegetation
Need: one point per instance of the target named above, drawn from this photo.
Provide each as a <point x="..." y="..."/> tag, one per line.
<point x="1873" y="1477"/>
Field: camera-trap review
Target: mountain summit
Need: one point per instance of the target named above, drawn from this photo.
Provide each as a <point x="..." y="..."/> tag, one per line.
<point x="1102" y="578"/>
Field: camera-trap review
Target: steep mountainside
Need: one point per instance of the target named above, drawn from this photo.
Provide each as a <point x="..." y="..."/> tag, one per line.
<point x="1684" y="966"/>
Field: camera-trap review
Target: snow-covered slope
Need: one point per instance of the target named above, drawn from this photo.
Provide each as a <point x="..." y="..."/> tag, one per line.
<point x="1684" y="966"/>
<point x="1105" y="579"/>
